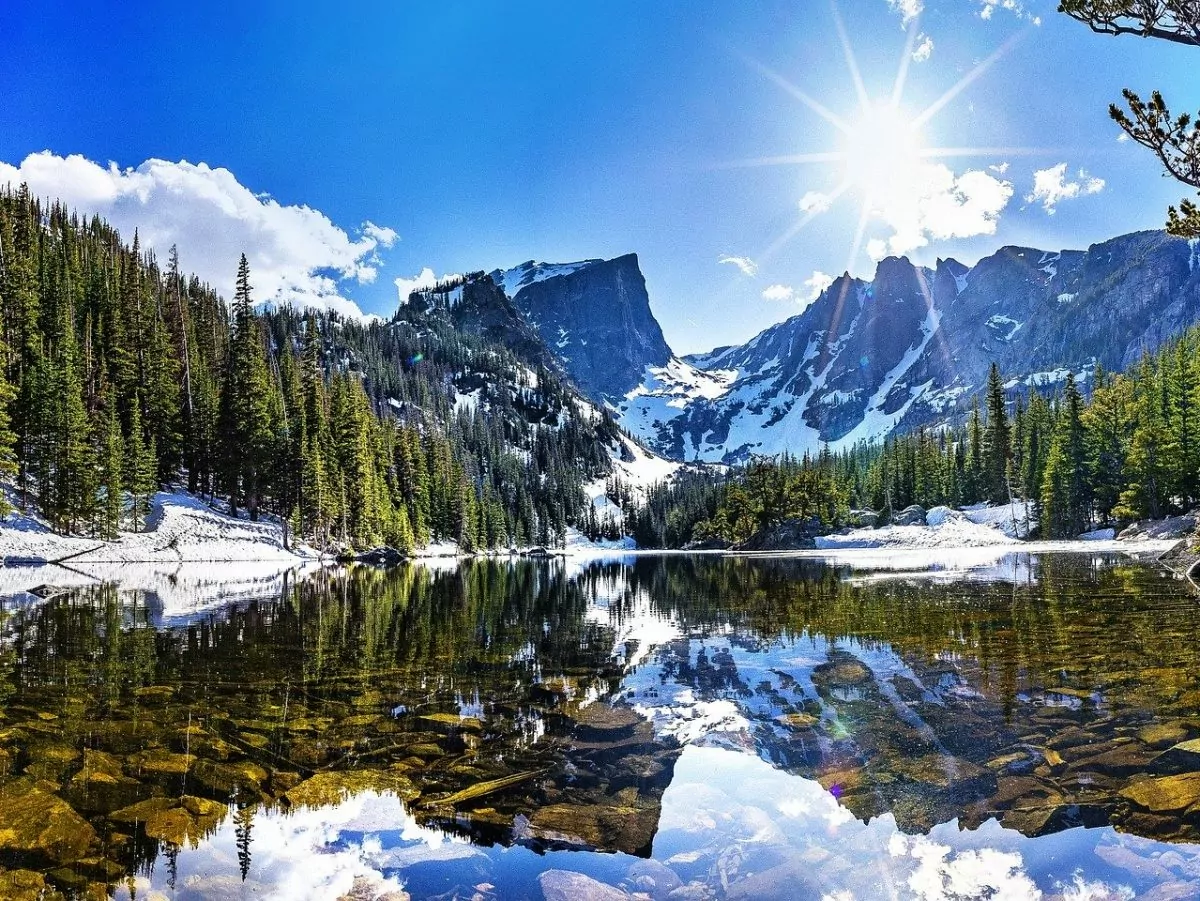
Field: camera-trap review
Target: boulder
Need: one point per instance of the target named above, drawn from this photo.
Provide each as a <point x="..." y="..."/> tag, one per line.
<point x="863" y="519"/>
<point x="707" y="544"/>
<point x="939" y="516"/>
<point x="381" y="556"/>
<point x="1171" y="528"/>
<point x="910" y="516"/>
<point x="789" y="535"/>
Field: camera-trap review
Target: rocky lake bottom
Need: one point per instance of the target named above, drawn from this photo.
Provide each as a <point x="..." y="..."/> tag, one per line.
<point x="1026" y="726"/>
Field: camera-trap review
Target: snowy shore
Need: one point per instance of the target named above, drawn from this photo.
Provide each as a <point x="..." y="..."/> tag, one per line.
<point x="181" y="528"/>
<point x="186" y="537"/>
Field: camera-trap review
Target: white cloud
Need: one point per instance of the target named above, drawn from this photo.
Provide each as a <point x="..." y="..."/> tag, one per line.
<point x="815" y="202"/>
<point x="999" y="168"/>
<point x="296" y="254"/>
<point x="1080" y="889"/>
<point x="818" y="283"/>
<point x="942" y="874"/>
<point x="1051" y="187"/>
<point x="747" y="266"/>
<point x="779" y="292"/>
<point x="924" y="48"/>
<point x="908" y="9"/>
<point x="877" y="249"/>
<point x="425" y="279"/>
<point x="934" y="203"/>
<point x="1015" y="7"/>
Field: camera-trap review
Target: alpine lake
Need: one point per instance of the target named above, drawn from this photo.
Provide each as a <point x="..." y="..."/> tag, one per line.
<point x="1013" y="726"/>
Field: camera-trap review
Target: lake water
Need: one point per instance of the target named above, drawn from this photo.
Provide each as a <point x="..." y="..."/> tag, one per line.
<point x="683" y="727"/>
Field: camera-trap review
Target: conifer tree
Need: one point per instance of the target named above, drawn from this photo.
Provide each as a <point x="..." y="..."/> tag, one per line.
<point x="109" y="461"/>
<point x="996" y="441"/>
<point x="1065" y="500"/>
<point x="973" y="478"/>
<point x="244" y="425"/>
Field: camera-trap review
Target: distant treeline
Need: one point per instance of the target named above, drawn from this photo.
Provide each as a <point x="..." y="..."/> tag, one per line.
<point x="1130" y="451"/>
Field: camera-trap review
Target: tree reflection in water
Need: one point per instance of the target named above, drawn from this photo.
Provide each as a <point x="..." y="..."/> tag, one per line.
<point x="532" y="705"/>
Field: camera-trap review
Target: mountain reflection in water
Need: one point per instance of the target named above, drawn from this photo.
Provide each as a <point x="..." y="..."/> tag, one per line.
<point x="683" y="727"/>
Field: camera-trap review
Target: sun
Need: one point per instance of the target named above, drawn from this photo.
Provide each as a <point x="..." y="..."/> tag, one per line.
<point x="882" y="149"/>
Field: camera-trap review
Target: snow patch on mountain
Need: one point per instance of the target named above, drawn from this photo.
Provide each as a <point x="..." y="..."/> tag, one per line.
<point x="876" y="422"/>
<point x="667" y="391"/>
<point x="1005" y="326"/>
<point x="531" y="272"/>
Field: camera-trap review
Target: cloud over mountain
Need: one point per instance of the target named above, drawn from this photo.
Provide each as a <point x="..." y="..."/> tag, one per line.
<point x="297" y="254"/>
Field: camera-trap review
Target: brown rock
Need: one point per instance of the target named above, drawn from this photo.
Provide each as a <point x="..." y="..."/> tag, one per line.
<point x="1165" y="793"/>
<point x="34" y="821"/>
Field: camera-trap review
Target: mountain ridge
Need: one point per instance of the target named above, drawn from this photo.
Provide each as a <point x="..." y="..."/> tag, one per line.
<point x="868" y="357"/>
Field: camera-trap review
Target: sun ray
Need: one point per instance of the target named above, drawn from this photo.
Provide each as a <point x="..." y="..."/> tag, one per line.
<point x="851" y="63"/>
<point x="816" y="106"/>
<point x="856" y="246"/>
<point x="944" y="152"/>
<point x="788" y="159"/>
<point x="796" y="227"/>
<point x="910" y="44"/>
<point x="967" y="80"/>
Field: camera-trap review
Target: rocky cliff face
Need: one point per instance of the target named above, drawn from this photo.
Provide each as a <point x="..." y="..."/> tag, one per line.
<point x="595" y="315"/>
<point x="914" y="344"/>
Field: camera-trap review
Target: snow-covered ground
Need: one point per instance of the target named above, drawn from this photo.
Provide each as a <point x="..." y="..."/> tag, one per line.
<point x="181" y="529"/>
<point x="1014" y="520"/>
<point x="946" y="529"/>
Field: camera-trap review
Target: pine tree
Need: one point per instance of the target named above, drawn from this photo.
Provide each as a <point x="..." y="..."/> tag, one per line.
<point x="109" y="460"/>
<point x="244" y="427"/>
<point x="1065" y="500"/>
<point x="141" y="464"/>
<point x="8" y="439"/>
<point x="997" y="448"/>
<point x="974" y="489"/>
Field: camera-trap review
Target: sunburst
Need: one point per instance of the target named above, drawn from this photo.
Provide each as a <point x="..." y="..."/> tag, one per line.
<point x="881" y="146"/>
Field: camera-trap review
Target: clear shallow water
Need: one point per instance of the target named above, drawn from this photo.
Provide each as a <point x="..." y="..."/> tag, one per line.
<point x="682" y="727"/>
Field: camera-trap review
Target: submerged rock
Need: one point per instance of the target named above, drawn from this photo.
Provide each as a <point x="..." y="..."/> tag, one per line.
<point x="564" y="885"/>
<point x="26" y="885"/>
<point x="36" y="822"/>
<point x="330" y="788"/>
<point x="628" y="829"/>
<point x="1166" y="793"/>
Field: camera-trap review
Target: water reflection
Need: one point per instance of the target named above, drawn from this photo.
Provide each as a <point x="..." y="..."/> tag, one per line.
<point x="715" y="727"/>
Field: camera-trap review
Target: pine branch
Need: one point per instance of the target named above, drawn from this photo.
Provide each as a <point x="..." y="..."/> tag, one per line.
<point x="1177" y="21"/>
<point x="1175" y="141"/>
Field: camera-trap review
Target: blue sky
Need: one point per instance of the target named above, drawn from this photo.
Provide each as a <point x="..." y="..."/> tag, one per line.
<point x="477" y="135"/>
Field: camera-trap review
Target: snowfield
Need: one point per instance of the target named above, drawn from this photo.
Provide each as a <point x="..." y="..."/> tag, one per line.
<point x="947" y="529"/>
<point x="180" y="529"/>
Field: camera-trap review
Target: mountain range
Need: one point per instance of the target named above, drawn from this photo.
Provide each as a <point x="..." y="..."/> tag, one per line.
<point x="909" y="347"/>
